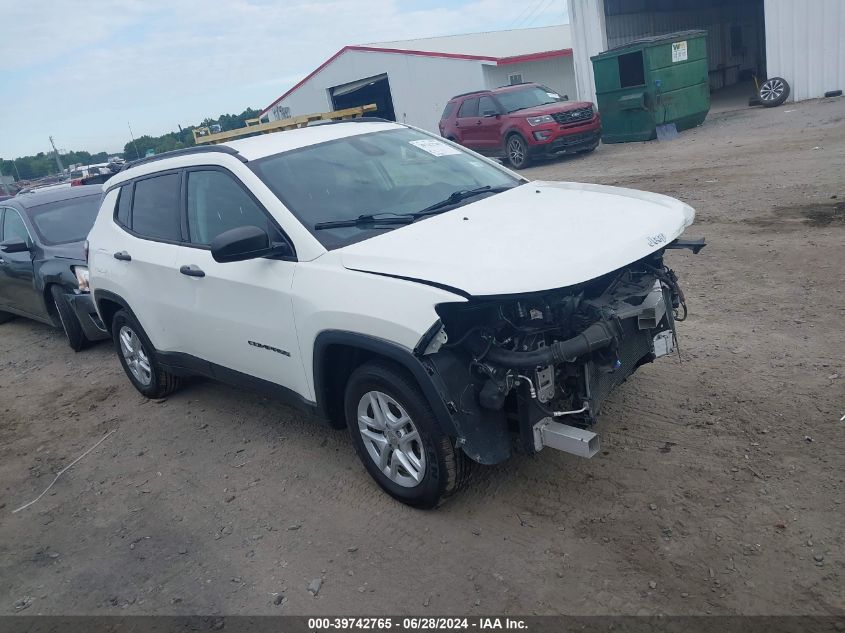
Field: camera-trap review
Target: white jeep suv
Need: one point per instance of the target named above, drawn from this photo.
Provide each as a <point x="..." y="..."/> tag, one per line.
<point x="393" y="282"/>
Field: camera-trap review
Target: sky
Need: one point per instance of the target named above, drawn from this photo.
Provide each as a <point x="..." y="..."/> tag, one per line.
<point x="79" y="71"/>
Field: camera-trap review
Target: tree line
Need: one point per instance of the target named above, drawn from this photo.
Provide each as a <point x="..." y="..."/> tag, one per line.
<point x="44" y="164"/>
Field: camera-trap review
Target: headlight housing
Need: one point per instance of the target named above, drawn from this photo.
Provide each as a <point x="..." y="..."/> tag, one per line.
<point x="539" y="120"/>
<point x="81" y="273"/>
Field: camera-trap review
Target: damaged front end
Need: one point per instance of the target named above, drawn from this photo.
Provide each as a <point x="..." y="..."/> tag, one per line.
<point x="541" y="365"/>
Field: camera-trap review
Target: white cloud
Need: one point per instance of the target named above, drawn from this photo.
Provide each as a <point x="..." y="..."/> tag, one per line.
<point x="92" y="66"/>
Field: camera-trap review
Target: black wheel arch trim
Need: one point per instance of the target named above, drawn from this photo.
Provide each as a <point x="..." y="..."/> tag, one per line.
<point x="424" y="375"/>
<point x="107" y="295"/>
<point x="510" y="132"/>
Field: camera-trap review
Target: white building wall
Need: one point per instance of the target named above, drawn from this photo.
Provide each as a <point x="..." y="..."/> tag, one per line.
<point x="557" y="73"/>
<point x="420" y="85"/>
<point x="589" y="37"/>
<point x="804" y="45"/>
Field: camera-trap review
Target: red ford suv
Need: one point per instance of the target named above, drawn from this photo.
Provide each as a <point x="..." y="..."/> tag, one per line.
<point x="521" y="123"/>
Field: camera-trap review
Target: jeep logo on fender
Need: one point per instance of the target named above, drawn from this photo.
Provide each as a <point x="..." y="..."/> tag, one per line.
<point x="269" y="347"/>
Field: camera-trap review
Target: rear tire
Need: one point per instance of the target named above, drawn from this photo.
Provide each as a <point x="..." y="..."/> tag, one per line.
<point x="68" y="320"/>
<point x="516" y="151"/>
<point x="397" y="437"/>
<point x="6" y="316"/>
<point x="137" y="356"/>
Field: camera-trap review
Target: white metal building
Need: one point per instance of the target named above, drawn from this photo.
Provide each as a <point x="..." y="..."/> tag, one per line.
<point x="799" y="40"/>
<point x="412" y="80"/>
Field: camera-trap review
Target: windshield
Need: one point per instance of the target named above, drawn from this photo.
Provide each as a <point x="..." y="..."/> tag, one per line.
<point x="529" y="97"/>
<point x="65" y="221"/>
<point x="391" y="172"/>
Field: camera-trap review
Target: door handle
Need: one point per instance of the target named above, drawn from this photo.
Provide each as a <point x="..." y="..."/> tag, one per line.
<point x="123" y="256"/>
<point x="478" y="122"/>
<point x="192" y="271"/>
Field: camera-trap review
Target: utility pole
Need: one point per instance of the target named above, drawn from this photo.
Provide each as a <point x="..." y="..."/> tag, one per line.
<point x="15" y="165"/>
<point x="134" y="144"/>
<point x="56" y="154"/>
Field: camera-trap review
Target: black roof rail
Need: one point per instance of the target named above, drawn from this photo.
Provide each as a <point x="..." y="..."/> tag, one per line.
<point x="198" y="149"/>
<point x="519" y="83"/>
<point x="471" y="92"/>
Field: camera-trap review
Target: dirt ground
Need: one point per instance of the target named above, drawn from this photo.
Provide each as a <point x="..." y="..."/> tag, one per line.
<point x="719" y="489"/>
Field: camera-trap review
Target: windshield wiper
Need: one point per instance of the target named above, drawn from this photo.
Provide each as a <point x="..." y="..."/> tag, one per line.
<point x="459" y="196"/>
<point x="366" y="220"/>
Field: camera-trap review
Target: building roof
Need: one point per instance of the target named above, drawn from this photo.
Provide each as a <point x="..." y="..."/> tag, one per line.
<point x="498" y="48"/>
<point x="495" y="44"/>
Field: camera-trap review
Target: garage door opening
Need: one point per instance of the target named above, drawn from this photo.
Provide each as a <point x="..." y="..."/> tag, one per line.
<point x="736" y="38"/>
<point x="363" y="91"/>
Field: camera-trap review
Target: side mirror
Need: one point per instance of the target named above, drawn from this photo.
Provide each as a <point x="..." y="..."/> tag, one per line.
<point x="244" y="242"/>
<point x="14" y="245"/>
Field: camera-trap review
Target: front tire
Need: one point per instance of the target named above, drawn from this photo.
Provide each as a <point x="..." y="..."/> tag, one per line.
<point x="397" y="437"/>
<point x="137" y="356"/>
<point x="516" y="151"/>
<point x="67" y="317"/>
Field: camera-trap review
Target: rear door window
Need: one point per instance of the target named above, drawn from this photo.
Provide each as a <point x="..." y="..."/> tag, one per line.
<point x="156" y="208"/>
<point x="469" y="108"/>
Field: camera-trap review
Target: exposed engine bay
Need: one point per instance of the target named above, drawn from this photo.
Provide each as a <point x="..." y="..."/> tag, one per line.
<point x="527" y="363"/>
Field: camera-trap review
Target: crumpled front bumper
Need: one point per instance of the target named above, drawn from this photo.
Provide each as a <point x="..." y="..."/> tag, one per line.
<point x="86" y="314"/>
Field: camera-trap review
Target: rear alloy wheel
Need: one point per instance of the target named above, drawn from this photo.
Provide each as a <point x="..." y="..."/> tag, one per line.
<point x="137" y="356"/>
<point x="517" y="152"/>
<point x="398" y="439"/>
<point x="67" y="317"/>
<point x="774" y="92"/>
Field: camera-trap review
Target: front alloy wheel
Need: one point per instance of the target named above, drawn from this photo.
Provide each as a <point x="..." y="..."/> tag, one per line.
<point x="517" y="151"/>
<point x="391" y="439"/>
<point x="398" y="437"/>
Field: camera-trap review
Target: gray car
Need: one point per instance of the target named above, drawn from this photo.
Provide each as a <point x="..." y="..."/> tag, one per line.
<point x="43" y="267"/>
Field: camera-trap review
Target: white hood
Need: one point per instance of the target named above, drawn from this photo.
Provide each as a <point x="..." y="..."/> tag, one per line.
<point x="539" y="236"/>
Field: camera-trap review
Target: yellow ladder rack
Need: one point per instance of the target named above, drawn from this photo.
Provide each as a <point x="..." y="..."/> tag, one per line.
<point x="203" y="135"/>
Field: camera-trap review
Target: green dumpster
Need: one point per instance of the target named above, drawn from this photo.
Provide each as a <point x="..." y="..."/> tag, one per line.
<point x="650" y="82"/>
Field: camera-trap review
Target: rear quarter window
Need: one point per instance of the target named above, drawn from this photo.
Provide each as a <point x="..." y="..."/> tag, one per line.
<point x="124" y="201"/>
<point x="448" y="110"/>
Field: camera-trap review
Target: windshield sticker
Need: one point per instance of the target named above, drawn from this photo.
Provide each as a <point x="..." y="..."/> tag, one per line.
<point x="435" y="147"/>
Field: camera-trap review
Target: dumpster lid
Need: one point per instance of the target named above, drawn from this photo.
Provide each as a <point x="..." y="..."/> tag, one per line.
<point x="645" y="42"/>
